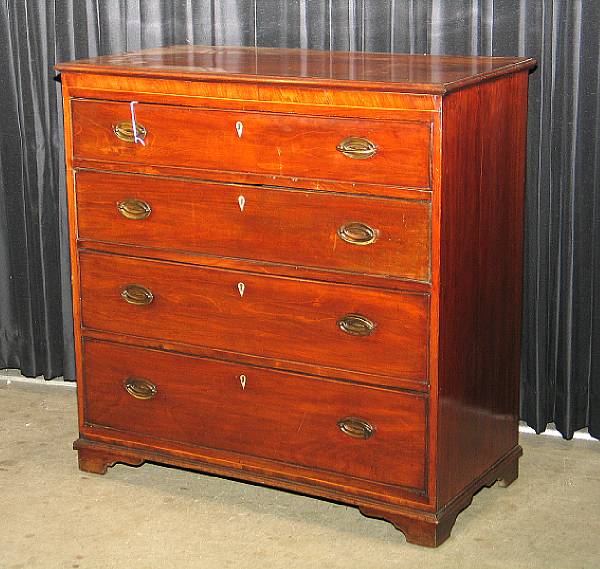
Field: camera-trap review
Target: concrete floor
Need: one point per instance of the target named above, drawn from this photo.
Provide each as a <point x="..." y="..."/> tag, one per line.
<point x="53" y="516"/>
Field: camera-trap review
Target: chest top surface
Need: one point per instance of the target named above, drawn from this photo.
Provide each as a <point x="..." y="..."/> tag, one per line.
<point x="434" y="74"/>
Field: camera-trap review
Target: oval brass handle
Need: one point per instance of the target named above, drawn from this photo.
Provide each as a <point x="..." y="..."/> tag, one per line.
<point x="356" y="325"/>
<point x="124" y="131"/>
<point x="356" y="428"/>
<point x="357" y="233"/>
<point x="140" y="388"/>
<point x="134" y="209"/>
<point x="136" y="294"/>
<point x="357" y="147"/>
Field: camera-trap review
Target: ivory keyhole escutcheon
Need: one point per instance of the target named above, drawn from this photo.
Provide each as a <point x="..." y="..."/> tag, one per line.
<point x="243" y="381"/>
<point x="239" y="126"/>
<point x="241" y="288"/>
<point x="242" y="202"/>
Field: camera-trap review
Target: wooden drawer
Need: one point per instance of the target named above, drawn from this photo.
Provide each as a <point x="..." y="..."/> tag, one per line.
<point x="272" y="144"/>
<point x="293" y="227"/>
<point x="269" y="316"/>
<point x="281" y="416"/>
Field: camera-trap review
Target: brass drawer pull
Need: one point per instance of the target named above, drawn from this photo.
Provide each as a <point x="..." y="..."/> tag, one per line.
<point x="140" y="388"/>
<point x="137" y="294"/>
<point x="356" y="428"/>
<point x="124" y="131"/>
<point x="357" y="233"/>
<point x="357" y="147"/>
<point x="356" y="325"/>
<point x="134" y="209"/>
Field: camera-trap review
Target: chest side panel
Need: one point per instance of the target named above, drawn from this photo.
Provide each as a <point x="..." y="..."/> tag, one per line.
<point x="483" y="151"/>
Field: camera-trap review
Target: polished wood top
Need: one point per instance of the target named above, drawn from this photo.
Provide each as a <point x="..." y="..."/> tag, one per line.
<point x="436" y="74"/>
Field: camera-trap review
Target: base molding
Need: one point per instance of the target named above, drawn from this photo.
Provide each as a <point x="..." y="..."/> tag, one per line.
<point x="432" y="529"/>
<point x="97" y="459"/>
<point x="420" y="527"/>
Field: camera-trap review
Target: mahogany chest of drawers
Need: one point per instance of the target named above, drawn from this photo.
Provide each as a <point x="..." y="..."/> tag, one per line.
<point x="301" y="269"/>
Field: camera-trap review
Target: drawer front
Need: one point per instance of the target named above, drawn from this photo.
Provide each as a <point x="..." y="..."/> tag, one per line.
<point x="262" y="143"/>
<point x="295" y="419"/>
<point x="366" y="235"/>
<point x="339" y="326"/>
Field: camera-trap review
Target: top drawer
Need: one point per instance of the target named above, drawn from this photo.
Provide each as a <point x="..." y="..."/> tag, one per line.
<point x="386" y="152"/>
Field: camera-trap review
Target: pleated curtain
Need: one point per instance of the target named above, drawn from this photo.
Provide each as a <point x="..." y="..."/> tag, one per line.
<point x="561" y="340"/>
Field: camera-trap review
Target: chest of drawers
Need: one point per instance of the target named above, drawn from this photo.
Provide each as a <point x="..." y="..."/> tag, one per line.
<point x="301" y="269"/>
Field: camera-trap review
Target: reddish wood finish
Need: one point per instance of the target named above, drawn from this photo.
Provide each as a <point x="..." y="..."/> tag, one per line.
<point x="275" y="317"/>
<point x="262" y="267"/>
<point x="481" y="272"/>
<point x="296" y="67"/>
<point x="273" y="225"/>
<point x="431" y="530"/>
<point x="284" y="98"/>
<point x="418" y="525"/>
<point x="98" y="461"/>
<point x="274" y="415"/>
<point x="445" y="187"/>
<point x="311" y="368"/>
<point x="252" y="178"/>
<point x="291" y="145"/>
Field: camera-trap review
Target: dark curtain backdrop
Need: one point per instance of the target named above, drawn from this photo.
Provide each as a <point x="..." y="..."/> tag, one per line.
<point x="561" y="355"/>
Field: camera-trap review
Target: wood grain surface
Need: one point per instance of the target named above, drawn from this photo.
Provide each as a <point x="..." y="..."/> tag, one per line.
<point x="285" y="417"/>
<point x="258" y="223"/>
<point x="292" y="145"/>
<point x="258" y="65"/>
<point x="481" y="275"/>
<point x="261" y="291"/>
<point x="276" y="317"/>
